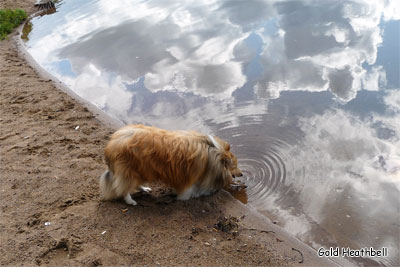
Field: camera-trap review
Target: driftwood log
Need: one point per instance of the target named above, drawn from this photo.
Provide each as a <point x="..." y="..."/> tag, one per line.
<point x="44" y="4"/>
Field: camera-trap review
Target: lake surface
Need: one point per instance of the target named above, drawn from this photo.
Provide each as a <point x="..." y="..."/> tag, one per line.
<point x="307" y="92"/>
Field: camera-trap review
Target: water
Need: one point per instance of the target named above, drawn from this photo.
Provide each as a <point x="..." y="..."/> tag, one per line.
<point x="307" y="92"/>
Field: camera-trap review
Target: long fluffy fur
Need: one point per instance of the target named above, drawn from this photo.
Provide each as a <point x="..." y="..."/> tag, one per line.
<point x="192" y="163"/>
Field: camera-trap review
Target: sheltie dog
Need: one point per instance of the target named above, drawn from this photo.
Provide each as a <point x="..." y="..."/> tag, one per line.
<point x="191" y="163"/>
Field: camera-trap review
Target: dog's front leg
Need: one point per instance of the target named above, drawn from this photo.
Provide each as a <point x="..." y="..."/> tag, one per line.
<point x="145" y="188"/>
<point x="129" y="200"/>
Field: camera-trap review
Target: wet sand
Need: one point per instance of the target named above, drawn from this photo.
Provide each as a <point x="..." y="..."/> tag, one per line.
<point x="50" y="210"/>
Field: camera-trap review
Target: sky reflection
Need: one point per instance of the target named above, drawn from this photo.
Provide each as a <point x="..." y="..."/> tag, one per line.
<point x="307" y="92"/>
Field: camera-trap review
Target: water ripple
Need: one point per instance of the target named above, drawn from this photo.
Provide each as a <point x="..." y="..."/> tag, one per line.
<point x="266" y="167"/>
<point x="268" y="161"/>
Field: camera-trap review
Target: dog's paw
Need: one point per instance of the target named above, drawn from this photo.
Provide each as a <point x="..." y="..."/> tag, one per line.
<point x="128" y="199"/>
<point x="145" y="189"/>
<point x="131" y="202"/>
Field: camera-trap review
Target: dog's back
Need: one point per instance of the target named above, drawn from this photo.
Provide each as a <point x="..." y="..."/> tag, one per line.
<point x="138" y="154"/>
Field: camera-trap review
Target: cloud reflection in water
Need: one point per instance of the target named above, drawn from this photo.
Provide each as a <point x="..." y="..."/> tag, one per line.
<point x="294" y="85"/>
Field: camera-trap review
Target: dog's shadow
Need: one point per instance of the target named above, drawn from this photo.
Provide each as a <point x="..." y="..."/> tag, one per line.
<point x="161" y="203"/>
<point x="146" y="199"/>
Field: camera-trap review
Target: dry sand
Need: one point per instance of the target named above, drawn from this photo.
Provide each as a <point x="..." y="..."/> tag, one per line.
<point x="50" y="210"/>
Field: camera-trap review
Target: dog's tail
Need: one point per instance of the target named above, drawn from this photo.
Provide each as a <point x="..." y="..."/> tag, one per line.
<point x="106" y="185"/>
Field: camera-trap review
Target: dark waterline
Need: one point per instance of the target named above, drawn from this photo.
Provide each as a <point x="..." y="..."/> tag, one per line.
<point x="307" y="93"/>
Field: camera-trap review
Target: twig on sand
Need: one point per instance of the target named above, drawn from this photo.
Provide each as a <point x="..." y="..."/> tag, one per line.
<point x="143" y="205"/>
<point x="301" y="254"/>
<point x="254" y="229"/>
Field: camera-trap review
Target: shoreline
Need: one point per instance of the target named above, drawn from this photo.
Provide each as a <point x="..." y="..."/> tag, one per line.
<point x="103" y="117"/>
<point x="49" y="175"/>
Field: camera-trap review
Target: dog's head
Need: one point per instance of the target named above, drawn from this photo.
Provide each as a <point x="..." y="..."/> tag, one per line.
<point x="229" y="159"/>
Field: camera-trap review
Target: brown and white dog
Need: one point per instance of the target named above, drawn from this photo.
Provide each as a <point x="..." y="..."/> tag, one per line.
<point x="191" y="163"/>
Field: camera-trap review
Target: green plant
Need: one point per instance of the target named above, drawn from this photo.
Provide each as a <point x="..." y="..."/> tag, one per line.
<point x="9" y="19"/>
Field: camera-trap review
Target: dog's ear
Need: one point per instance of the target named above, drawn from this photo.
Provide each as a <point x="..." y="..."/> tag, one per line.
<point x="226" y="160"/>
<point x="227" y="147"/>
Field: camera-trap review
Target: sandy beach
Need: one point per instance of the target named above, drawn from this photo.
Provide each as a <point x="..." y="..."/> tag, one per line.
<point x="50" y="210"/>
